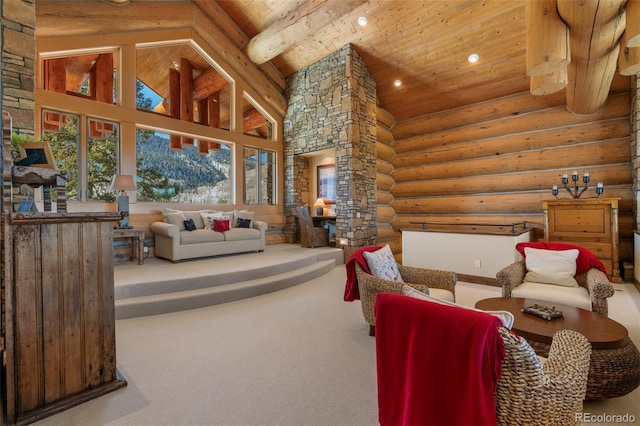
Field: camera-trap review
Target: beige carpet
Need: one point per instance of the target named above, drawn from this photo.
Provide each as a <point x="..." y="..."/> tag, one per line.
<point x="300" y="356"/>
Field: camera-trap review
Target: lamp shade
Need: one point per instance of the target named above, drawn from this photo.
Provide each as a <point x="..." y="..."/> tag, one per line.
<point x="319" y="203"/>
<point x="122" y="183"/>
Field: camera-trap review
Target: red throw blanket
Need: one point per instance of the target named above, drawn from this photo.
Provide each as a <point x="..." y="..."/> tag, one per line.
<point x="351" y="291"/>
<point x="437" y="364"/>
<point x="586" y="259"/>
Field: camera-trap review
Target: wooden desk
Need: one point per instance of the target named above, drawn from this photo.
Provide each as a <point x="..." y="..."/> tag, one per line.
<point x="136" y="237"/>
<point x="330" y="223"/>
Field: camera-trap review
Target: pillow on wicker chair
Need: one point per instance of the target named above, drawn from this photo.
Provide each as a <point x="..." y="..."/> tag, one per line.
<point x="382" y="264"/>
<point x="551" y="266"/>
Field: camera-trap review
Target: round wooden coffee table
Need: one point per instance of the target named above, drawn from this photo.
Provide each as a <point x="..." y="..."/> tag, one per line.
<point x="615" y="361"/>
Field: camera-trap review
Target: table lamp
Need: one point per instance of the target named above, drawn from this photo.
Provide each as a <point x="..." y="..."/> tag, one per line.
<point x="319" y="205"/>
<point x="121" y="184"/>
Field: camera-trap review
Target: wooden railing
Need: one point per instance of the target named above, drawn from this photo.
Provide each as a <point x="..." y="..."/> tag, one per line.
<point x="459" y="227"/>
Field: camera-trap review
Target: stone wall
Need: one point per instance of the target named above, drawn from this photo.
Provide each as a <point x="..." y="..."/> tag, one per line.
<point x="332" y="104"/>
<point x="17" y="63"/>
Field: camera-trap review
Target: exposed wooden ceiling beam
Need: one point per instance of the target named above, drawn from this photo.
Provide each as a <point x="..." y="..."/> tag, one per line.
<point x="297" y="25"/>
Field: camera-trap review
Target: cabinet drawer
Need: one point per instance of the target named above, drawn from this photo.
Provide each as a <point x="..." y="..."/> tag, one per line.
<point x="600" y="249"/>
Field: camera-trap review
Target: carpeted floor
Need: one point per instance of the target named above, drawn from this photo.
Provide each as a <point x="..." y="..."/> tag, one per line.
<point x="300" y="356"/>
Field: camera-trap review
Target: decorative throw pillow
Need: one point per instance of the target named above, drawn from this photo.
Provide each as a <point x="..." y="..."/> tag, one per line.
<point x="220" y="225"/>
<point x="505" y="316"/>
<point x="189" y="225"/>
<point x="243" y="223"/>
<point x="208" y="218"/>
<point x="551" y="266"/>
<point x="243" y="214"/>
<point x="382" y="264"/>
<point x="196" y="217"/>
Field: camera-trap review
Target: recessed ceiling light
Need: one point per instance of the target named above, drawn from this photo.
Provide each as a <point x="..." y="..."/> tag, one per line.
<point x="474" y="57"/>
<point x="397" y="83"/>
<point x="362" y="21"/>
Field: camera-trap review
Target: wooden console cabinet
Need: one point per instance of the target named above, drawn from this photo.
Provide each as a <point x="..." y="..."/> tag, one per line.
<point x="590" y="223"/>
<point x="60" y="340"/>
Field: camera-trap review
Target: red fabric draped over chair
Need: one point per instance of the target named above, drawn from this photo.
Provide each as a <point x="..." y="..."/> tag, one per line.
<point x="586" y="259"/>
<point x="351" y="290"/>
<point x="437" y="365"/>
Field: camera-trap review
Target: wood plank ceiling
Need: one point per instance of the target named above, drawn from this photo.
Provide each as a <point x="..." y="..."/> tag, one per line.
<point x="423" y="43"/>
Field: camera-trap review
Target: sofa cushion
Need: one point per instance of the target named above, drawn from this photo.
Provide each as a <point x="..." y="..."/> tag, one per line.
<point x="551" y="266"/>
<point x="241" y="234"/>
<point x="188" y="214"/>
<point x="572" y="296"/>
<point x="505" y="316"/>
<point x="200" y="236"/>
<point x="382" y="264"/>
<point x="175" y="219"/>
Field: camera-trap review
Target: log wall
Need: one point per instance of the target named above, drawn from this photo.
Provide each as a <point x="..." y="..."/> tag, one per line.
<point x="495" y="162"/>
<point x="384" y="183"/>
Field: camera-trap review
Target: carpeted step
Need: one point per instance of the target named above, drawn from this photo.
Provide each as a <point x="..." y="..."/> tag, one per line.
<point x="197" y="298"/>
<point x="178" y="280"/>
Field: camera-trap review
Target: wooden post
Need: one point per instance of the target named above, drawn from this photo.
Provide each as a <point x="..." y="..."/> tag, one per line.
<point x="186" y="95"/>
<point x="214" y="110"/>
<point x="175" y="142"/>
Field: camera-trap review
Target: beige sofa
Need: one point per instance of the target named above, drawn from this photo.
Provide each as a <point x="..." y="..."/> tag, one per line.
<point x="173" y="241"/>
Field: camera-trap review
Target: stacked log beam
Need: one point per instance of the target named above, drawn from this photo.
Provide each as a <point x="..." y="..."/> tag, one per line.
<point x="384" y="183"/>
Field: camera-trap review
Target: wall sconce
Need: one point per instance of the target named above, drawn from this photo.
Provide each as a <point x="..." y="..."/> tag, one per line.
<point x="123" y="183"/>
<point x="319" y="205"/>
<point x="576" y="191"/>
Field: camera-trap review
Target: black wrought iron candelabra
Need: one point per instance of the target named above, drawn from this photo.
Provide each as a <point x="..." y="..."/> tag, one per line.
<point x="576" y="191"/>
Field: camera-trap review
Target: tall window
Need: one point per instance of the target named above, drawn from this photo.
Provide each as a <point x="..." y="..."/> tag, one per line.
<point x="197" y="173"/>
<point x="91" y="169"/>
<point x="62" y="132"/>
<point x="259" y="176"/>
<point x="102" y="158"/>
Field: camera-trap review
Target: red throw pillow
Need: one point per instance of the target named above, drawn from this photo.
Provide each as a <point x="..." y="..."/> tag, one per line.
<point x="220" y="225"/>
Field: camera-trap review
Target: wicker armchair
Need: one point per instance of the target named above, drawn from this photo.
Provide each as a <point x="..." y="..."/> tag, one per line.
<point x="529" y="393"/>
<point x="418" y="278"/>
<point x="593" y="280"/>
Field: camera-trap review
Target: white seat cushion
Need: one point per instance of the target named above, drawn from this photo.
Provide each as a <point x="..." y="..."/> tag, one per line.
<point x="505" y="316"/>
<point x="441" y="294"/>
<point x="572" y="296"/>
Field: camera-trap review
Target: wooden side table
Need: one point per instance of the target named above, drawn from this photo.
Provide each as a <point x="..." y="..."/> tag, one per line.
<point x="136" y="236"/>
